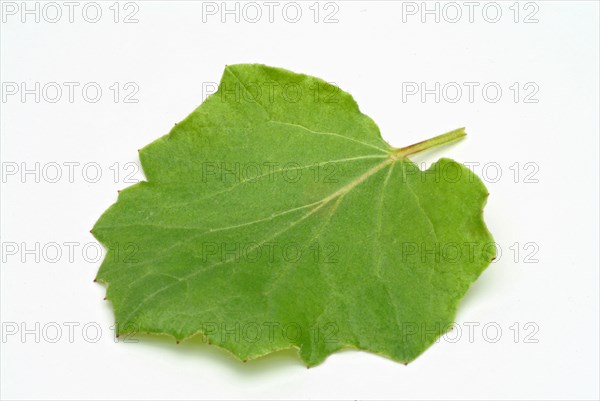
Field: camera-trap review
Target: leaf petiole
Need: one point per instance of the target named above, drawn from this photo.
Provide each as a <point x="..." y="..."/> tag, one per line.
<point x="430" y="143"/>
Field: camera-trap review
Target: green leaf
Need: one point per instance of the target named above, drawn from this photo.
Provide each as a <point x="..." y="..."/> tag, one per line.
<point x="275" y="216"/>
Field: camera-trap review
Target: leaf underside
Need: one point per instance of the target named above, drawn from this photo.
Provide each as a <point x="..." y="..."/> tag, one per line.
<point x="275" y="216"/>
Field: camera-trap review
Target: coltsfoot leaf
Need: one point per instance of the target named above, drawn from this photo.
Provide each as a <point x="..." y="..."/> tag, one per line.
<point x="275" y="216"/>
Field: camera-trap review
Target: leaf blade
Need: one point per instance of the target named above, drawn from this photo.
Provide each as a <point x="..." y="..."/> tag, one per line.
<point x="375" y="209"/>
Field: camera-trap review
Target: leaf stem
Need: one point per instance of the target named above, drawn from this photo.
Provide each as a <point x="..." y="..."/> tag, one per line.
<point x="430" y="143"/>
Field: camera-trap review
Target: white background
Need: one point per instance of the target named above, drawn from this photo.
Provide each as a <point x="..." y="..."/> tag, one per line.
<point x="371" y="53"/>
